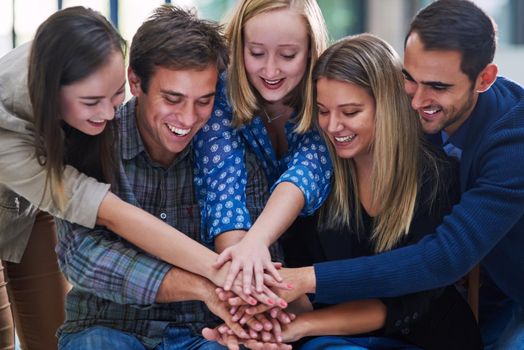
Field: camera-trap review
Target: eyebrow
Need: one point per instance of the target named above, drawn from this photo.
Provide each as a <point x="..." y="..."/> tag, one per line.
<point x="179" y="94"/>
<point x="282" y="45"/>
<point x="350" y="104"/>
<point x="100" y="97"/>
<point x="430" y="83"/>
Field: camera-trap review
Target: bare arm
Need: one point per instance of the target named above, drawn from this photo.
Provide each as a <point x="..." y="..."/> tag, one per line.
<point x="162" y="240"/>
<point x="353" y="317"/>
<point x="251" y="255"/>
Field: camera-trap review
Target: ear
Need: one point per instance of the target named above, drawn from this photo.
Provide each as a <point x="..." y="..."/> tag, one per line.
<point x="134" y="82"/>
<point x="486" y="78"/>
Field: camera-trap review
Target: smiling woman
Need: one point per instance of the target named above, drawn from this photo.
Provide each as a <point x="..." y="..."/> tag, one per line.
<point x="78" y="47"/>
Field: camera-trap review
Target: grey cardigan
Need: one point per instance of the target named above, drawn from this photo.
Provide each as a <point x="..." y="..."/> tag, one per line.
<point x="22" y="179"/>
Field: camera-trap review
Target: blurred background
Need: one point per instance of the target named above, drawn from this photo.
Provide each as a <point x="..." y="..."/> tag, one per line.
<point x="388" y="19"/>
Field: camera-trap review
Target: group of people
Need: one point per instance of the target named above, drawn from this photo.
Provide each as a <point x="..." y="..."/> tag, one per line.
<point x="260" y="189"/>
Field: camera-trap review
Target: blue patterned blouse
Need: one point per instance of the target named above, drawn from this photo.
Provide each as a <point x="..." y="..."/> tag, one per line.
<point x="221" y="171"/>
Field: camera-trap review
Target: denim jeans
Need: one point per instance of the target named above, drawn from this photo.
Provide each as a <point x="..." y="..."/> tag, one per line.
<point x="356" y="343"/>
<point x="109" y="338"/>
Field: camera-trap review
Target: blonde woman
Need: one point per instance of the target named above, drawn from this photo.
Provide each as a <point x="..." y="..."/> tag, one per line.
<point x="265" y="106"/>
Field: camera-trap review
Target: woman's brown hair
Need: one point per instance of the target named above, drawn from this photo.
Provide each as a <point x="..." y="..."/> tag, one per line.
<point x="69" y="46"/>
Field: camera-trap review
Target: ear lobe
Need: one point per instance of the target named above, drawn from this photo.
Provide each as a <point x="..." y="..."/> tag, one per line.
<point x="486" y="78"/>
<point x="134" y="82"/>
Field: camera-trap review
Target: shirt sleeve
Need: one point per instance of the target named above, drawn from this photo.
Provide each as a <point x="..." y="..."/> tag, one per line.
<point x="23" y="174"/>
<point x="220" y="175"/>
<point x="310" y="169"/>
<point x="101" y="263"/>
<point x="20" y="170"/>
<point x="486" y="213"/>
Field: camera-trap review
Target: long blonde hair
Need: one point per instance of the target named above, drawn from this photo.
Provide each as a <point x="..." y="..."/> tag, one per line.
<point x="242" y="96"/>
<point x="371" y="63"/>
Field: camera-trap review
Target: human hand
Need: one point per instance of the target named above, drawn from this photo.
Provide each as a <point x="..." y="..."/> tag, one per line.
<point x="236" y="293"/>
<point x="302" y="281"/>
<point x="223" y="336"/>
<point x="221" y="309"/>
<point x="250" y="255"/>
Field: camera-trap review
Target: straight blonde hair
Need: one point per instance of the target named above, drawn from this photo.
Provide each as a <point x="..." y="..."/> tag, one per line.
<point x="242" y="95"/>
<point x="398" y="154"/>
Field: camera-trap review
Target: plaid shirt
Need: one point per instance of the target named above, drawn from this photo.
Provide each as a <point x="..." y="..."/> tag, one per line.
<point x="114" y="282"/>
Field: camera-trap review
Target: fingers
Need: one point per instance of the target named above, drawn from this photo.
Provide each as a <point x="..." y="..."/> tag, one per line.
<point x="237" y="289"/>
<point x="211" y="334"/>
<point x="232" y="275"/>
<point x="272" y="271"/>
<point x="247" y="276"/>
<point x="276" y="330"/>
<point x="223" y="257"/>
<point x="269" y="281"/>
<point x="266" y="323"/>
<point x="232" y="342"/>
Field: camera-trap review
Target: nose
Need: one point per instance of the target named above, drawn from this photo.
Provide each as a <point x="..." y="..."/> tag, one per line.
<point x="271" y="67"/>
<point x="417" y="95"/>
<point x="333" y="125"/>
<point x="108" y="111"/>
<point x="187" y="114"/>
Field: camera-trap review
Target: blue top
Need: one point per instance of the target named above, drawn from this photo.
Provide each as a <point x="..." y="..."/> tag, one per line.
<point x="221" y="176"/>
<point x="487" y="224"/>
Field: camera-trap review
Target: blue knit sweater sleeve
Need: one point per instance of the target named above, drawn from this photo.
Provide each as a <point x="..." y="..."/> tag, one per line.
<point x="487" y="217"/>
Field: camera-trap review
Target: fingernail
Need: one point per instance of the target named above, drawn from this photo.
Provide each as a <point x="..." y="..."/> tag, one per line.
<point x="252" y="301"/>
<point x="270" y="301"/>
<point x="289" y="286"/>
<point x="283" y="303"/>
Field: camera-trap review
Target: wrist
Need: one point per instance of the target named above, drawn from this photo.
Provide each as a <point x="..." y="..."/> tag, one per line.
<point x="308" y="279"/>
<point x="258" y="237"/>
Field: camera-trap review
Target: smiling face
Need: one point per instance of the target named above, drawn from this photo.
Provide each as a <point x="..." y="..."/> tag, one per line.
<point x="178" y="103"/>
<point x="88" y="104"/>
<point x="346" y="114"/>
<point x="440" y="92"/>
<point x="275" y="52"/>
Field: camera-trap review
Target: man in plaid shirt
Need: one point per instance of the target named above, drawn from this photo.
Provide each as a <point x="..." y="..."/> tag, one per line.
<point x="122" y="297"/>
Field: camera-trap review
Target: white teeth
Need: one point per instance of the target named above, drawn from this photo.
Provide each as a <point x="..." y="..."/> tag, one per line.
<point x="178" y="131"/>
<point x="97" y="121"/>
<point x="272" y="82"/>
<point x="345" y="138"/>
<point x="431" y="111"/>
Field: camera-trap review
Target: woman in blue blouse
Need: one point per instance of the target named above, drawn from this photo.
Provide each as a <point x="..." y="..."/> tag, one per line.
<point x="264" y="105"/>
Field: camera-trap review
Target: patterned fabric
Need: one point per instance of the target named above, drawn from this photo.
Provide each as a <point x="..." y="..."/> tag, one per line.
<point x="114" y="282"/>
<point x="221" y="181"/>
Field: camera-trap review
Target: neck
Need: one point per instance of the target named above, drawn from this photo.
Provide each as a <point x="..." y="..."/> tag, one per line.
<point x="275" y="111"/>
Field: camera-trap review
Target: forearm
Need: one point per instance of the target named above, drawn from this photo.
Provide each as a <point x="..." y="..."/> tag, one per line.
<point x="344" y="319"/>
<point x="227" y="239"/>
<point x="162" y="240"/>
<point x="280" y="212"/>
<point x="181" y="285"/>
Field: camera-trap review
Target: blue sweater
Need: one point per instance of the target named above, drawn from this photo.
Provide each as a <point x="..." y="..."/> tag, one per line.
<point x="487" y="225"/>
